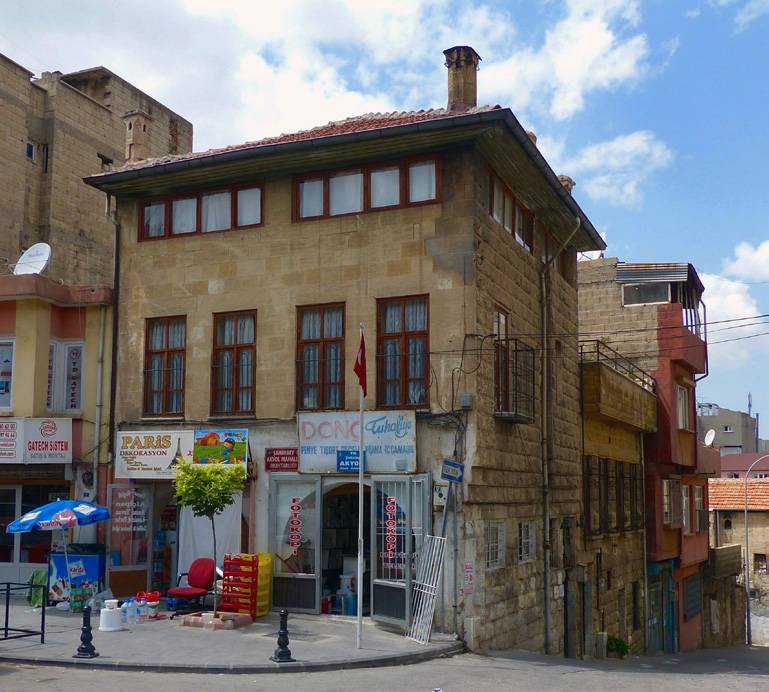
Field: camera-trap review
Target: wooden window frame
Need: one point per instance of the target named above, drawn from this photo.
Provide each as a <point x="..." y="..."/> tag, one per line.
<point x="683" y="424"/>
<point x="686" y="508"/>
<point x="603" y="485"/>
<point x="700" y="512"/>
<point x="322" y="343"/>
<point x="501" y="361"/>
<point x="404" y="336"/>
<point x="168" y="200"/>
<point x="529" y="243"/>
<point x="236" y="350"/>
<point x="165" y="391"/>
<point x="619" y="495"/>
<point x="325" y="176"/>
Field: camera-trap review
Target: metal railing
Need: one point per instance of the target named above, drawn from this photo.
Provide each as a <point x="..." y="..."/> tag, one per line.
<point x="597" y="351"/>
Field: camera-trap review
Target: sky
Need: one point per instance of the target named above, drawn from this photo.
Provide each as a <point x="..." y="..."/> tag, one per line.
<point x="659" y="109"/>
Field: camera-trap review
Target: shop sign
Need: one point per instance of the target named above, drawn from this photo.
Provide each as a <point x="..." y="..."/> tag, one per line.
<point x="281" y="459"/>
<point x="129" y="511"/>
<point x="453" y="471"/>
<point x="347" y="461"/>
<point x="295" y="525"/>
<point x="36" y="440"/>
<point x="223" y="446"/>
<point x="151" y="454"/>
<point x="389" y="438"/>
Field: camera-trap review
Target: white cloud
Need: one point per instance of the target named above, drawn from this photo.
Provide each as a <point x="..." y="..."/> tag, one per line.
<point x="749" y="12"/>
<point x="613" y="170"/>
<point x="693" y="13"/>
<point x="750" y="263"/>
<point x="726" y="300"/>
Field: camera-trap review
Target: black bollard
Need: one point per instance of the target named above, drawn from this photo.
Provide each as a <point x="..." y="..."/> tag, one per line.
<point x="282" y="653"/>
<point x="86" y="648"/>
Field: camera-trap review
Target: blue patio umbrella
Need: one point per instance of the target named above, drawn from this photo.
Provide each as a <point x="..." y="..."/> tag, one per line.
<point x="62" y="514"/>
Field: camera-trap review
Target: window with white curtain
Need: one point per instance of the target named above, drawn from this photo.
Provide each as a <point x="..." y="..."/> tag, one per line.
<point x="233" y="363"/>
<point x="154" y="220"/>
<point x="164" y="366"/>
<point x="310" y="198"/>
<point x="6" y="373"/>
<point x="682" y="396"/>
<point x="402" y="352"/>
<point x="345" y="193"/>
<point x="216" y="212"/>
<point x="422" y="181"/>
<point x="320" y="357"/>
<point x="249" y="206"/>
<point x="385" y="187"/>
<point x="184" y="215"/>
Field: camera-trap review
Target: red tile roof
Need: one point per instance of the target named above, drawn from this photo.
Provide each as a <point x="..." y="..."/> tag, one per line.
<point x="729" y="493"/>
<point x="741" y="462"/>
<point x="360" y="123"/>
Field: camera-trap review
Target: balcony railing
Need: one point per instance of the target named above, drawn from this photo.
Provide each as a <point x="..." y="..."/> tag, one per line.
<point x="514" y="380"/>
<point x="599" y="352"/>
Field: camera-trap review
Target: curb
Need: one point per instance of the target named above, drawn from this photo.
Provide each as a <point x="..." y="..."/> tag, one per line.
<point x="441" y="651"/>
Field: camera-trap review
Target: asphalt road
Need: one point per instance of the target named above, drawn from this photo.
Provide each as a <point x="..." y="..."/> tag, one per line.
<point x="721" y="670"/>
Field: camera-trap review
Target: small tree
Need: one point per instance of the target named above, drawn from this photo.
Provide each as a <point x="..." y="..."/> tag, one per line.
<point x="207" y="490"/>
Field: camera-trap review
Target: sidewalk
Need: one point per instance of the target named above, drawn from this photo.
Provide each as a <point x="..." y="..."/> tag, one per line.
<point x="317" y="642"/>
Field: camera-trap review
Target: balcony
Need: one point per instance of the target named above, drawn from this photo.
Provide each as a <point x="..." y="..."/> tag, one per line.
<point x="616" y="390"/>
<point x="708" y="460"/>
<point x="682" y="336"/>
<point x="725" y="561"/>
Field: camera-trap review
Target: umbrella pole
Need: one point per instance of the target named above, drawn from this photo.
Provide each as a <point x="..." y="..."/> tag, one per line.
<point x="66" y="562"/>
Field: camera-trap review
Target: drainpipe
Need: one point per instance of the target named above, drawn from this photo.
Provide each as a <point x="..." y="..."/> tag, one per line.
<point x="546" y="426"/>
<point x="99" y="404"/>
<point x="645" y="570"/>
<point x="114" y="217"/>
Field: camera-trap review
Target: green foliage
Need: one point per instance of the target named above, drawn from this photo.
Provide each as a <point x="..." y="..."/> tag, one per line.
<point x="207" y="490"/>
<point x="617" y="645"/>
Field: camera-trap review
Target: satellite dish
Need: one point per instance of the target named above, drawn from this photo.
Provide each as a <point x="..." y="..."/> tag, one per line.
<point x="710" y="435"/>
<point x="34" y="260"/>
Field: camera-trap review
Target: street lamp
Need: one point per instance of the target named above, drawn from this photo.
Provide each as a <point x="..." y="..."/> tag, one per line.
<point x="747" y="552"/>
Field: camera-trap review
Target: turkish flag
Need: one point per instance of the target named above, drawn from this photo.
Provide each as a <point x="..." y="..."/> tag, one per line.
<point x="360" y="363"/>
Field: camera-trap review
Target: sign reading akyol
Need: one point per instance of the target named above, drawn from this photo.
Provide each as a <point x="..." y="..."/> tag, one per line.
<point x="389" y="439"/>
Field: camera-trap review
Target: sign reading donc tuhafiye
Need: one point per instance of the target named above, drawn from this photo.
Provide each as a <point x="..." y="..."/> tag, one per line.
<point x="389" y="438"/>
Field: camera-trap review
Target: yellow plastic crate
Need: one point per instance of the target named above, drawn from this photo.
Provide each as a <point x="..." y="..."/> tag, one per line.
<point x="264" y="585"/>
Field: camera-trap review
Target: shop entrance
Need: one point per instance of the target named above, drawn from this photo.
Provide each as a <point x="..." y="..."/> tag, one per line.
<point x="339" y="547"/>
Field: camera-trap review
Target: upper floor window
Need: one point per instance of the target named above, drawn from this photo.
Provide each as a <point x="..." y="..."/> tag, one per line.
<point x="366" y="188"/>
<point x="514" y="217"/>
<point x="686" y="513"/>
<point x="31" y="151"/>
<point x="202" y="212"/>
<point x="513" y="374"/>
<point x="65" y="376"/>
<point x="232" y="364"/>
<point x="164" y="366"/>
<point x="526" y="541"/>
<point x="402" y="351"/>
<point x="320" y="357"/>
<point x="700" y="513"/>
<point x="672" y="501"/>
<point x="728" y="429"/>
<point x="6" y="373"/>
<point x="682" y="400"/>
<point x="646" y="294"/>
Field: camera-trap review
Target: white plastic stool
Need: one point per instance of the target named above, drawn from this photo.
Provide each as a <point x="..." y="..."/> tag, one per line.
<point x="109" y="620"/>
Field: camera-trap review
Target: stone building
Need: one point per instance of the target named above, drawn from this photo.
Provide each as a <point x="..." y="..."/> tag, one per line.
<point x="446" y="234"/>
<point x="58" y="129"/>
<point x="56" y="325"/>
<point x="618" y="407"/>
<point x="653" y="315"/>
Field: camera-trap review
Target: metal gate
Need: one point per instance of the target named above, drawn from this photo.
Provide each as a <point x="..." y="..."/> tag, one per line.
<point x="425" y="586"/>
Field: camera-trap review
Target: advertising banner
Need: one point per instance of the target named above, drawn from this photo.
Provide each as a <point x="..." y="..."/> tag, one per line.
<point x="221" y="446"/>
<point x="389" y="440"/>
<point x="281" y="459"/>
<point x="11" y="440"/>
<point x="35" y="440"/>
<point x="151" y="454"/>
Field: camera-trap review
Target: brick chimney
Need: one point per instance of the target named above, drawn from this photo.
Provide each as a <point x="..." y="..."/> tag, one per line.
<point x="462" y="63"/>
<point x="567" y="182"/>
<point x="137" y="135"/>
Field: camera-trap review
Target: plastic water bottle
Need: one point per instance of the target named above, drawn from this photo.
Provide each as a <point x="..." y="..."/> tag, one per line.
<point x="124" y="613"/>
<point x="142" y="611"/>
<point x="133" y="608"/>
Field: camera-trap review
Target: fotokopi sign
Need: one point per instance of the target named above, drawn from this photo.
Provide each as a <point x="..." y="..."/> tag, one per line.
<point x="389" y="439"/>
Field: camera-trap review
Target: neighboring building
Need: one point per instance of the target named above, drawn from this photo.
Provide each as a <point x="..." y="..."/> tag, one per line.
<point x="58" y="129"/>
<point x="56" y="328"/>
<point x="448" y="235"/>
<point x="737" y="465"/>
<point x="618" y="407"/>
<point x="653" y="314"/>
<point x="736" y="431"/>
<point x="727" y="523"/>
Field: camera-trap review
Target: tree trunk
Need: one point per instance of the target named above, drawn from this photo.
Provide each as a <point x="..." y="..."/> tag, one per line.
<point x="213" y="530"/>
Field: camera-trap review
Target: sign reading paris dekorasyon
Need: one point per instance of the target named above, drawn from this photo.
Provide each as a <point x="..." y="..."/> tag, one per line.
<point x="389" y="438"/>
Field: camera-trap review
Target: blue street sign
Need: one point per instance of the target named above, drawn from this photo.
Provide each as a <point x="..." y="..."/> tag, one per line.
<point x="347" y="460"/>
<point x="453" y="471"/>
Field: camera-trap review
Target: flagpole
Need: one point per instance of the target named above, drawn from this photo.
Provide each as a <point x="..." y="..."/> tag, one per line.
<point x="361" y="459"/>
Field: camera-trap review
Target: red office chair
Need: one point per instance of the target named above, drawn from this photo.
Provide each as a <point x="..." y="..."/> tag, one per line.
<point x="200" y="578"/>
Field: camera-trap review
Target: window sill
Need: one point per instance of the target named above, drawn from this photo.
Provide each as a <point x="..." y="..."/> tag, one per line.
<point x="163" y="419"/>
<point x="511" y="417"/>
<point x="232" y="416"/>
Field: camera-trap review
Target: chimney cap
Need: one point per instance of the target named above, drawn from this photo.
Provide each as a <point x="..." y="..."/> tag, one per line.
<point x="456" y="55"/>
<point x="567" y="182"/>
